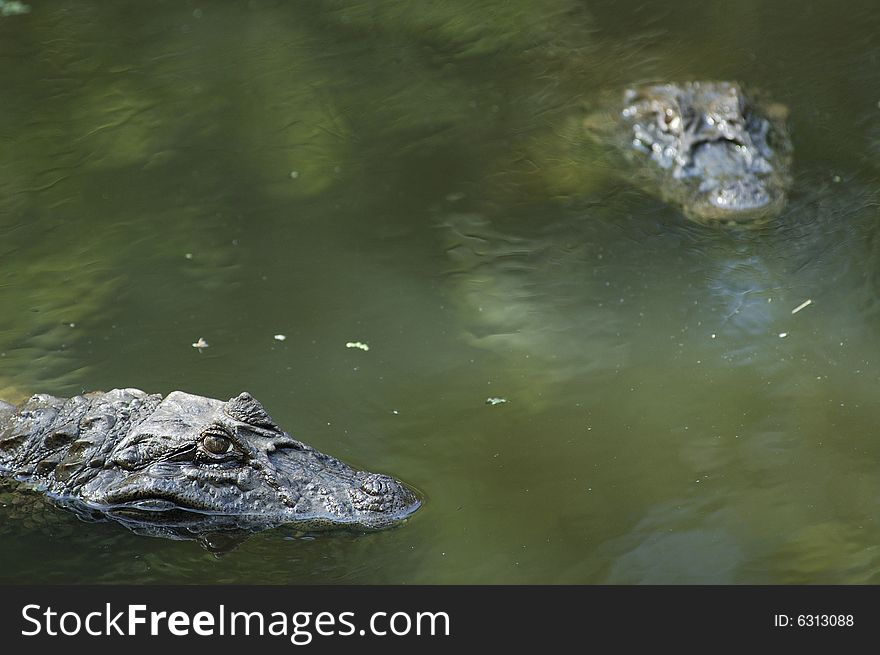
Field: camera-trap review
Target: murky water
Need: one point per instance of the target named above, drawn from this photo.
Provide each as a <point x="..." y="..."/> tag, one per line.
<point x="393" y="173"/>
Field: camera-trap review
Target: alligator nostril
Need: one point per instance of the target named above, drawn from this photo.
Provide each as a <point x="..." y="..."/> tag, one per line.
<point x="741" y="195"/>
<point x="126" y="459"/>
<point x="383" y="495"/>
<point x="376" y="484"/>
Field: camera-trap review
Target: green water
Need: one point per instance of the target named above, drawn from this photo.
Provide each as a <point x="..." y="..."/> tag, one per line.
<point x="393" y="173"/>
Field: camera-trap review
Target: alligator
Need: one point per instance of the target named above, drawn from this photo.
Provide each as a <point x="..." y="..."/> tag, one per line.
<point x="187" y="467"/>
<point x="719" y="153"/>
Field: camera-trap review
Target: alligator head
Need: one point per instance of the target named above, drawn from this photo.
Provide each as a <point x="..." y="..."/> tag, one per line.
<point x="710" y="148"/>
<point x="187" y="466"/>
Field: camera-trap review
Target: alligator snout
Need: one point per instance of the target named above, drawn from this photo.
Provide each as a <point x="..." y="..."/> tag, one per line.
<point x="736" y="183"/>
<point x="384" y="494"/>
<point x="316" y="487"/>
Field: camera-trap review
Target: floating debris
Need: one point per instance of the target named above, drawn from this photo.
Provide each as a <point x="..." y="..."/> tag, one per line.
<point x="805" y="303"/>
<point x="294" y="175"/>
<point x="200" y="344"/>
<point x="280" y="337"/>
<point x="782" y="335"/>
<point x="357" y="344"/>
<point x="496" y="401"/>
<point x="188" y="255"/>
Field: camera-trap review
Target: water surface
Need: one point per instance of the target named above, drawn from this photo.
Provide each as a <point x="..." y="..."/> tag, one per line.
<point x="395" y="173"/>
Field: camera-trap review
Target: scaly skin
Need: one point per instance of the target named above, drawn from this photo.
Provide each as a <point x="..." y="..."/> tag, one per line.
<point x="187" y="466"/>
<point x="710" y="148"/>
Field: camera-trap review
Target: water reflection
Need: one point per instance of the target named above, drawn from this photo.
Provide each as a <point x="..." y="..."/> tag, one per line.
<point x="729" y="411"/>
<point x="347" y="171"/>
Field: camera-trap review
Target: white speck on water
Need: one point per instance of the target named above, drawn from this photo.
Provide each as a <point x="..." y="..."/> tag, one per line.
<point x="72" y="325"/>
<point x="713" y="335"/>
<point x="395" y="412"/>
<point x="357" y="344"/>
<point x="279" y="337"/>
<point x="782" y="335"/>
<point x="200" y="344"/>
<point x="188" y="255"/>
<point x="294" y="175"/>
<point x="496" y="401"/>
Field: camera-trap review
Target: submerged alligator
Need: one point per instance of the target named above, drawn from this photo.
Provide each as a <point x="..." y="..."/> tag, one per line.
<point x="186" y="466"/>
<point x="555" y="294"/>
<point x="717" y="152"/>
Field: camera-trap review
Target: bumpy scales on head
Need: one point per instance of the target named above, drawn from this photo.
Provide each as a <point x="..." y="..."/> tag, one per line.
<point x="710" y="148"/>
<point x="185" y="466"/>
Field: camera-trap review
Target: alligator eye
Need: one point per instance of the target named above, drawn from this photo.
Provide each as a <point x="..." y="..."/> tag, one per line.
<point x="671" y="120"/>
<point x="216" y="445"/>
